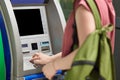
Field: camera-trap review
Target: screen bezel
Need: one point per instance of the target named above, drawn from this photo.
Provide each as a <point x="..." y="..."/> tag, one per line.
<point x="43" y="19"/>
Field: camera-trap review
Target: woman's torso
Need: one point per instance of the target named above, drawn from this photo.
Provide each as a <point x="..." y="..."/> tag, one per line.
<point x="107" y="15"/>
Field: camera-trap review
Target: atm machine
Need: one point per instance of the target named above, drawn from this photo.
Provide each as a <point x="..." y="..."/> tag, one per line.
<point x="27" y="27"/>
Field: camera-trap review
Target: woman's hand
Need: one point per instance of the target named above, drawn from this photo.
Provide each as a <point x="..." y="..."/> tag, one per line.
<point x="40" y="59"/>
<point x="49" y="70"/>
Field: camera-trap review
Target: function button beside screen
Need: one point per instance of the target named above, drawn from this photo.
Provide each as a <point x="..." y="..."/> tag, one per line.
<point x="45" y="43"/>
<point x="34" y="46"/>
<point x="45" y="46"/>
<point x="24" y="45"/>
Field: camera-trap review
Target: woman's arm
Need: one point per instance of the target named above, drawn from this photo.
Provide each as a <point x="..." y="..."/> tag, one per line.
<point x="85" y="25"/>
<point x="65" y="62"/>
<point x="41" y="58"/>
<point x="56" y="56"/>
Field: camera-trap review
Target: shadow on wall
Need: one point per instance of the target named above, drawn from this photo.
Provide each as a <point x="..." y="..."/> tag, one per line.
<point x="66" y="7"/>
<point x="116" y="4"/>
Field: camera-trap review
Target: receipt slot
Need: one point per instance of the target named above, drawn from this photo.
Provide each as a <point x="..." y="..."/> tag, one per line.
<point x="30" y="26"/>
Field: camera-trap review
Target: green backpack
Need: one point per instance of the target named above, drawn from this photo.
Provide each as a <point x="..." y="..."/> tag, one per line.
<point x="94" y="60"/>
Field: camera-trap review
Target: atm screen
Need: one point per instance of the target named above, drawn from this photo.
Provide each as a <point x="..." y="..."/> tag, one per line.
<point x="29" y="21"/>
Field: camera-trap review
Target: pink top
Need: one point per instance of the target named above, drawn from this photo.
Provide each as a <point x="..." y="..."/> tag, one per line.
<point x="107" y="15"/>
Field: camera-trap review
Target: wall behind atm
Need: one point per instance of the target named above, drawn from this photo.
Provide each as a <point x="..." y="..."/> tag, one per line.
<point x="116" y="4"/>
<point x="67" y="7"/>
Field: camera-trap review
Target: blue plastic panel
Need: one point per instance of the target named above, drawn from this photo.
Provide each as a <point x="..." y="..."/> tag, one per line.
<point x="40" y="76"/>
<point x="6" y="48"/>
<point x="15" y="2"/>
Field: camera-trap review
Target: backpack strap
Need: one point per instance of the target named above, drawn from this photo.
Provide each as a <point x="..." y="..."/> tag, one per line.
<point x="95" y="12"/>
<point x="99" y="29"/>
<point x="96" y="15"/>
